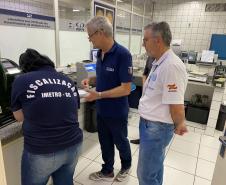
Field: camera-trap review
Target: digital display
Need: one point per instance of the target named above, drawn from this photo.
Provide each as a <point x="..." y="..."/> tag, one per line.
<point x="7" y="65"/>
<point x="218" y="44"/>
<point x="94" y="54"/>
<point x="184" y="54"/>
<point x="90" y="67"/>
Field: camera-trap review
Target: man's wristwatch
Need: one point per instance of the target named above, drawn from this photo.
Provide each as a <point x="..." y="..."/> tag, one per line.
<point x="99" y="95"/>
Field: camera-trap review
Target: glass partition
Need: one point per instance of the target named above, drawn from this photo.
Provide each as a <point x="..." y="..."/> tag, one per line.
<point x="74" y="44"/>
<point x="125" y="4"/>
<point x="112" y="2"/>
<point x="146" y="22"/>
<point x="137" y="23"/>
<point x="73" y="15"/>
<point x="138" y="6"/>
<point x="27" y="24"/>
<point x="148" y="8"/>
<point x="123" y="28"/>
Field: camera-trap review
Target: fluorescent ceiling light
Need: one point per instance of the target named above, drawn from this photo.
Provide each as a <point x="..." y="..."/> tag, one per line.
<point x="76" y="10"/>
<point x="120" y="1"/>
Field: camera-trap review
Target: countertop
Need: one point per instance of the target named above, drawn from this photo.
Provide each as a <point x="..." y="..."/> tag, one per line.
<point x="14" y="130"/>
<point x="10" y="132"/>
<point x="138" y="80"/>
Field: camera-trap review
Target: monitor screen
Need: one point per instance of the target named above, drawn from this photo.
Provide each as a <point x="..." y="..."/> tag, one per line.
<point x="192" y="56"/>
<point x="90" y="67"/>
<point x="93" y="54"/>
<point x="207" y="56"/>
<point x="184" y="54"/>
<point x="7" y="65"/>
<point x="218" y="44"/>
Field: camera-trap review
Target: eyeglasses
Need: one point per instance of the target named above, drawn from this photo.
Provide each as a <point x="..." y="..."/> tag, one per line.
<point x="145" y="40"/>
<point x="90" y="36"/>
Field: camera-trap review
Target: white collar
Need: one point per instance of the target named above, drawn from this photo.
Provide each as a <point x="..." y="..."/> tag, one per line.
<point x="162" y="58"/>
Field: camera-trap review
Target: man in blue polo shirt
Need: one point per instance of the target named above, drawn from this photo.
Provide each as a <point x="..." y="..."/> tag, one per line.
<point x="113" y="85"/>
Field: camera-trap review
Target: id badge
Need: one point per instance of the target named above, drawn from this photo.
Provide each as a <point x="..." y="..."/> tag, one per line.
<point x="153" y="76"/>
<point x="152" y="81"/>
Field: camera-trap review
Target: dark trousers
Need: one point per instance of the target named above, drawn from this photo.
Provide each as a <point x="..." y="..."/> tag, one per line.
<point x="114" y="131"/>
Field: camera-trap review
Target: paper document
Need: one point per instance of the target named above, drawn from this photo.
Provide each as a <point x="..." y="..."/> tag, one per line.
<point x="207" y="56"/>
<point x="13" y="71"/>
<point x="176" y="42"/>
<point x="197" y="73"/>
<point x="82" y="93"/>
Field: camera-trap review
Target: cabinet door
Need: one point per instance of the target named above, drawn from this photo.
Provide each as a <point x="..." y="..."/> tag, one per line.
<point x="219" y="177"/>
<point x="12" y="153"/>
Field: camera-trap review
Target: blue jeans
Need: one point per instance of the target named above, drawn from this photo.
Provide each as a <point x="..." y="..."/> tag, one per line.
<point x="36" y="169"/>
<point x="113" y="131"/>
<point x="154" y="137"/>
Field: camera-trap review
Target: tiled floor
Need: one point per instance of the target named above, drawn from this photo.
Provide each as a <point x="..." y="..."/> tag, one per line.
<point x="190" y="159"/>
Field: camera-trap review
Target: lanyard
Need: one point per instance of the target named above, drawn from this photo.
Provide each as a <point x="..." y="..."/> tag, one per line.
<point x="153" y="69"/>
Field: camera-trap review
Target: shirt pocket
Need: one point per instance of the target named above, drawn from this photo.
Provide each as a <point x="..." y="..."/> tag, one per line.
<point x="152" y="81"/>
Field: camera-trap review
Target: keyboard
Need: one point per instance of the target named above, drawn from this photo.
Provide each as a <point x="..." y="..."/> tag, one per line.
<point x="195" y="73"/>
<point x="197" y="78"/>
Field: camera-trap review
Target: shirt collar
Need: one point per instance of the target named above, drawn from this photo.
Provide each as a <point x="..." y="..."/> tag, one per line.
<point x="112" y="50"/>
<point x="162" y="58"/>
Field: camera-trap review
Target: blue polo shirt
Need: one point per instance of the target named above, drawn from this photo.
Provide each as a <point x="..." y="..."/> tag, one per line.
<point x="114" y="69"/>
<point x="49" y="101"/>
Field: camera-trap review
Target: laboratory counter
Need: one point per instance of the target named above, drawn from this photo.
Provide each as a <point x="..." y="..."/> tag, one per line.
<point x="11" y="138"/>
<point x="11" y="148"/>
<point x="10" y="132"/>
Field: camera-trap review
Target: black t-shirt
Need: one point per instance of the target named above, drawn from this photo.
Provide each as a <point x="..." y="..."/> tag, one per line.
<point x="49" y="101"/>
<point x="148" y="66"/>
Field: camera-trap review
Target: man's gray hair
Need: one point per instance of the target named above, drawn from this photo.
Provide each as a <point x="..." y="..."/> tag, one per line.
<point x="100" y="23"/>
<point x="162" y="29"/>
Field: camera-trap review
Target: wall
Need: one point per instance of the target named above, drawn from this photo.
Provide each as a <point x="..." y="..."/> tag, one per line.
<point x="74" y="44"/>
<point x="43" y="7"/>
<point x="190" y="22"/>
<point x="135" y="44"/>
<point x="15" y="40"/>
<point x="122" y="39"/>
<point x="74" y="47"/>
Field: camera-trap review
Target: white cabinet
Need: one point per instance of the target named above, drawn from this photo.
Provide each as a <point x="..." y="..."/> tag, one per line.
<point x="12" y="153"/>
<point x="219" y="177"/>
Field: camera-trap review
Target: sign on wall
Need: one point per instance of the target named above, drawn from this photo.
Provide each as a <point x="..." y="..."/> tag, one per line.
<point x="104" y="10"/>
<point x="215" y="7"/>
<point x="72" y="25"/>
<point x="23" y="19"/>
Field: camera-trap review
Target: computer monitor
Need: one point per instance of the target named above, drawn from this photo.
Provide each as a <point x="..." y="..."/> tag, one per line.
<point x="90" y="67"/>
<point x="93" y="55"/>
<point x="192" y="57"/>
<point x="7" y="65"/>
<point x="218" y="44"/>
<point x="207" y="57"/>
<point x="184" y="56"/>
